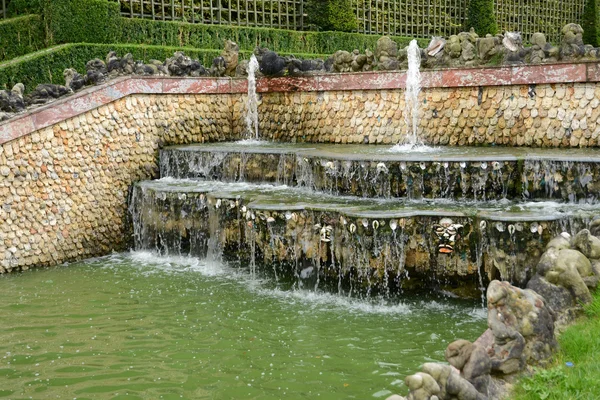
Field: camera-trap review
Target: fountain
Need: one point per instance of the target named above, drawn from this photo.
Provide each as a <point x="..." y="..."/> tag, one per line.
<point x="411" y="95"/>
<point x="252" y="102"/>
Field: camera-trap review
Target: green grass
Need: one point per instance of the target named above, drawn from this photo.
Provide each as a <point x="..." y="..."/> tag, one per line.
<point x="579" y="345"/>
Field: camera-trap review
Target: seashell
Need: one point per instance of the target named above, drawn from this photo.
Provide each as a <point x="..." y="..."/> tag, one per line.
<point x="294" y="217"/>
<point x="534" y="227"/>
<point x="317" y="227"/>
<point x="252" y="215"/>
<point x="330" y="165"/>
<point x="375" y="224"/>
<point x="483" y="165"/>
<point x="270" y="219"/>
<point x="232" y="204"/>
<point x="393" y="225"/>
<point x="445" y="165"/>
<point x="512" y="40"/>
<point x="463" y="165"/>
<point x="446" y="221"/>
<point x="511" y="229"/>
<point x="423" y="165"/>
<point x="436" y="45"/>
<point x="249" y="224"/>
<point x="496" y="165"/>
<point x="288" y="215"/>
<point x="566" y="235"/>
<point x="218" y="203"/>
<point x="249" y="216"/>
<point x="202" y="197"/>
<point x="402" y="222"/>
<point x="244" y="209"/>
<point x="402" y="165"/>
<point x="365" y="223"/>
<point x="540" y="229"/>
<point x="519" y="226"/>
<point x="352" y="228"/>
<point x="381" y="168"/>
<point x="500" y="226"/>
<point x="343" y="220"/>
<point x="482" y="225"/>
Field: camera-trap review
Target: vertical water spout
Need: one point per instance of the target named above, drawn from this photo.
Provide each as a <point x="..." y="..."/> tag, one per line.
<point x="411" y="95"/>
<point x="252" y="103"/>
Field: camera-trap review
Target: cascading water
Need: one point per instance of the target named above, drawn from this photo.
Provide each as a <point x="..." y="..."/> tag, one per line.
<point x="252" y="102"/>
<point x="411" y="100"/>
<point x="411" y="95"/>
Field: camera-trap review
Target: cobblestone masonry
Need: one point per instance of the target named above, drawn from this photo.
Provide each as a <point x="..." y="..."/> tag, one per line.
<point x="63" y="189"/>
<point x="66" y="168"/>
<point x="547" y="115"/>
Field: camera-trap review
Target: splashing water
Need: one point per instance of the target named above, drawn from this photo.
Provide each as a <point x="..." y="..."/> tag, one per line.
<point x="252" y="103"/>
<point x="411" y="96"/>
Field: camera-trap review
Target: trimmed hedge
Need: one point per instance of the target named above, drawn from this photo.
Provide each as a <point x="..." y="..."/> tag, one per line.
<point x="332" y="15"/>
<point x="24" y="7"/>
<point x="591" y="23"/>
<point x="47" y="66"/>
<point x="90" y="21"/>
<point x="482" y="17"/>
<point x="21" y="35"/>
<point x="166" y="33"/>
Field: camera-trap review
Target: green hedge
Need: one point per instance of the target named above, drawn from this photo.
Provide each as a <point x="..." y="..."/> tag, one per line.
<point x="166" y="33"/>
<point x="47" y="66"/>
<point x="21" y="35"/>
<point x="24" y="7"/>
<point x="482" y="17"/>
<point x="591" y="23"/>
<point x="332" y="15"/>
<point x="90" y="21"/>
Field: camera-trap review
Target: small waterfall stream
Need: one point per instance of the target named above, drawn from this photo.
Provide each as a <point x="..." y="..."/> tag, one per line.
<point x="411" y="95"/>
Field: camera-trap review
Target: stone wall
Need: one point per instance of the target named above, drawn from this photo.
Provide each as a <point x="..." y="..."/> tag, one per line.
<point x="66" y="167"/>
<point x="64" y="188"/>
<point x="546" y="115"/>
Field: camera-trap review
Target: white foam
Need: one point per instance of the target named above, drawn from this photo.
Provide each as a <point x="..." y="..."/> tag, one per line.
<point x="412" y="148"/>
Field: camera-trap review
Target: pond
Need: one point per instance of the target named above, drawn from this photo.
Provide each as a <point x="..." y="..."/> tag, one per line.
<point x="137" y="326"/>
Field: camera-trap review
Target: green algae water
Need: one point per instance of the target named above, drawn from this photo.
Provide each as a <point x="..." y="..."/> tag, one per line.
<point x="138" y="326"/>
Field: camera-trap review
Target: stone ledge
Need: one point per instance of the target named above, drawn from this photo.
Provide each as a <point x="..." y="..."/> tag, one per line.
<point x="96" y="96"/>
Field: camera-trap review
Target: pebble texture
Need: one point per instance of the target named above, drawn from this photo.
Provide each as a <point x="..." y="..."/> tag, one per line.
<point x="63" y="189"/>
<point x="544" y="115"/>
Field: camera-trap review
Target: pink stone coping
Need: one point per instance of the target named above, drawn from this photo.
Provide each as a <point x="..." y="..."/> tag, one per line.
<point x="96" y="96"/>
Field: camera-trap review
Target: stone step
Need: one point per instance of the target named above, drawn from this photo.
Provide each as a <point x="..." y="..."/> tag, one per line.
<point x="476" y="173"/>
<point x="451" y="241"/>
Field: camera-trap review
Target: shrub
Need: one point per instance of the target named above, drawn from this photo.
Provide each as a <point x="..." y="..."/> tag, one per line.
<point x="24" y="7"/>
<point x="482" y="17"/>
<point x="332" y="15"/>
<point x="90" y="21"/>
<point x="21" y="35"/>
<point x="590" y="23"/>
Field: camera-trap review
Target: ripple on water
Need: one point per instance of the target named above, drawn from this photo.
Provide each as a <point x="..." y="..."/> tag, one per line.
<point x="143" y="326"/>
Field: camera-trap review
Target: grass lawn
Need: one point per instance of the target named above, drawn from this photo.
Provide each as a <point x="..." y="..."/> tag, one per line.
<point x="575" y="372"/>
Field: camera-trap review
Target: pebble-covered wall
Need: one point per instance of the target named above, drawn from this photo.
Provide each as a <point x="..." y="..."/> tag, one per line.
<point x="548" y="115"/>
<point x="64" y="188"/>
<point x="66" y="168"/>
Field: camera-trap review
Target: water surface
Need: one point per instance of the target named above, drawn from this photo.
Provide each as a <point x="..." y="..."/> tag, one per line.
<point x="137" y="326"/>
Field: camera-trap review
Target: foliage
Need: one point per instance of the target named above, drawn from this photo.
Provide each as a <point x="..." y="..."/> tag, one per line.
<point x="482" y="17"/>
<point x="90" y="21"/>
<point x="332" y="15"/>
<point x="24" y="7"/>
<point x="576" y="370"/>
<point x="21" y="35"/>
<point x="164" y="33"/>
<point x="47" y="66"/>
<point x="590" y="23"/>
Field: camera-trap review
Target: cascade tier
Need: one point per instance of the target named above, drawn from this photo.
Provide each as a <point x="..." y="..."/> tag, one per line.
<point x="457" y="173"/>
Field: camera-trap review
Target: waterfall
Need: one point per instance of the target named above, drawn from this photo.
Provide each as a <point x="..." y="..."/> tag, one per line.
<point x="252" y="102"/>
<point x="411" y="95"/>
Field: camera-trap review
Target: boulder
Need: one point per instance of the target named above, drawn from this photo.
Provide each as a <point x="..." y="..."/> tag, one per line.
<point x="587" y="244"/>
<point x="271" y="64"/>
<point x="472" y="361"/>
<point x="572" y="46"/>
<point x="231" y="57"/>
<point x="386" y="54"/>
<point x="46" y="92"/>
<point x="73" y="79"/>
<point x="522" y="325"/>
